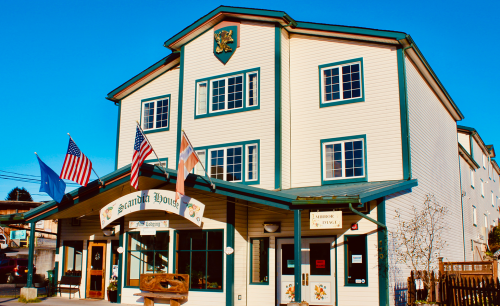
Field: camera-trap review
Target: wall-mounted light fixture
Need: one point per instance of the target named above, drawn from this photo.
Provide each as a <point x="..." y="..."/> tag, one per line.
<point x="272" y="227"/>
<point x="108" y="232"/>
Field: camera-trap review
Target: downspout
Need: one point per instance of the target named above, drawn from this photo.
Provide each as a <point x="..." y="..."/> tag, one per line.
<point x="461" y="200"/>
<point x="367" y="218"/>
<point x="407" y="112"/>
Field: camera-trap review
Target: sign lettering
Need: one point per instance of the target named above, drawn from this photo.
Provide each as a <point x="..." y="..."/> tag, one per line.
<point x="326" y="219"/>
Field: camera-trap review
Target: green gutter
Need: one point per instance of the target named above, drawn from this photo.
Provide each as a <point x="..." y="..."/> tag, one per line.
<point x="118" y="134"/>
<point x="461" y="202"/>
<point x="350" y="30"/>
<point x="383" y="256"/>
<point x="366" y="217"/>
<point x="179" y="107"/>
<point x="403" y="109"/>
<point x="277" y="107"/>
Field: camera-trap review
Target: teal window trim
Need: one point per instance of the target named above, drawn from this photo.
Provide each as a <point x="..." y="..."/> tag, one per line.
<point x="245" y="107"/>
<point x="343" y="101"/>
<point x="472" y="177"/>
<point x="343" y="180"/>
<point x="126" y="243"/>
<point x="156" y="130"/>
<point x="474" y="215"/>
<point x="223" y="256"/>
<point x="346" y="261"/>
<point x="482" y="188"/>
<point x="65" y="244"/>
<point x="155" y="161"/>
<point x="251" y="261"/>
<point x="244" y="145"/>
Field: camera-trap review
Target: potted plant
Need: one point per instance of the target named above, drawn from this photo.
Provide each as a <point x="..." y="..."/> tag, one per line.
<point x="113" y="291"/>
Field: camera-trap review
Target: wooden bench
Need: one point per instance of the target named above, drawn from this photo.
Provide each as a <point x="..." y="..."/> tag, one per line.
<point x="69" y="282"/>
<point x="174" y="287"/>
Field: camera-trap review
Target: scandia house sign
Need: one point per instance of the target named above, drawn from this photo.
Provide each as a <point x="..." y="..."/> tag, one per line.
<point x="154" y="199"/>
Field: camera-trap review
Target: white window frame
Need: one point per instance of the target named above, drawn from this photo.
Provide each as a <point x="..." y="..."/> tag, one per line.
<point x="247" y="162"/>
<point x="225" y="92"/>
<point x="155" y="107"/>
<point x="474" y="215"/>
<point x="472" y="178"/>
<point x="198" y="169"/>
<point x="247" y="89"/>
<point x="341" y="83"/>
<point x="486" y="220"/>
<point x="198" y="91"/>
<point x="492" y="199"/>
<point x="209" y="161"/>
<point x="484" y="163"/>
<point x="343" y="177"/>
<point x="482" y="188"/>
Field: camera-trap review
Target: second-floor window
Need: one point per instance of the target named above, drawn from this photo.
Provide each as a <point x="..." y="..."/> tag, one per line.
<point x="474" y="215"/>
<point x="155" y="114"/>
<point x="472" y="178"/>
<point x="342" y="82"/>
<point x="343" y="159"/>
<point x="227" y="93"/>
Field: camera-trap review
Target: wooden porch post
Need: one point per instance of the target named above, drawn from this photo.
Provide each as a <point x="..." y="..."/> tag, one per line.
<point x="29" y="283"/>
<point x="297" y="252"/>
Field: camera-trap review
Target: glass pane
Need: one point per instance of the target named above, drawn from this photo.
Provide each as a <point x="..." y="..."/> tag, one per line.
<point x="252" y="163"/>
<point x="202" y="99"/>
<point x="182" y="263"/>
<point x="161" y="241"/>
<point x="160" y="262"/>
<point x="198" y="266"/>
<point x="320" y="258"/>
<point x="217" y="164"/>
<point x="260" y="258"/>
<point x="162" y="113"/>
<point x="73" y="251"/>
<point x="356" y="259"/>
<point x="354" y="158"/>
<point x="148" y="115"/>
<point x="351" y="81"/>
<point x="253" y="89"/>
<point x="199" y="240"/>
<point x="199" y="166"/>
<point x="331" y="83"/>
<point x="214" y="269"/>
<point x="134" y="242"/>
<point x="287" y="262"/>
<point x="218" y="95"/>
<point x="234" y="164"/>
<point x="235" y="92"/>
<point x="215" y="240"/>
<point x="97" y="258"/>
<point x="183" y="240"/>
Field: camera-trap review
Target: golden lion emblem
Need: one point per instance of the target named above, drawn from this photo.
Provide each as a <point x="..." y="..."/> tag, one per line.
<point x="223" y="38"/>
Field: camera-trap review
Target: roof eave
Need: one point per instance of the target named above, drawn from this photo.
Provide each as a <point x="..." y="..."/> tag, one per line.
<point x="468" y="158"/>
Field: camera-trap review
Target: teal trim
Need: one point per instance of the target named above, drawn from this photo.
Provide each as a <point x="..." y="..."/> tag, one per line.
<point x="346" y="260"/>
<point x="383" y="256"/>
<point x="230" y="238"/>
<point x="120" y="261"/>
<point x="227" y="111"/>
<point x="350" y="30"/>
<point x="31" y="256"/>
<point x="164" y="61"/>
<point x="344" y="101"/>
<point x="382" y="225"/>
<point x="179" y="108"/>
<point x="277" y="108"/>
<point x="297" y="252"/>
<point x="336" y="272"/>
<point x="155" y="130"/>
<point x="251" y="261"/>
<point x="403" y="109"/>
<point x="462" y="200"/>
<point x="344" y="180"/>
<point x="118" y="133"/>
<point x="244" y="145"/>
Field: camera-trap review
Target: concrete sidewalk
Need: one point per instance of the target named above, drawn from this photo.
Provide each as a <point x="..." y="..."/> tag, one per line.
<point x="58" y="301"/>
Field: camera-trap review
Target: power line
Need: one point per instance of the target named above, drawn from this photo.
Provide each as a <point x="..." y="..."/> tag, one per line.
<point x="28" y="180"/>
<point x="19" y="173"/>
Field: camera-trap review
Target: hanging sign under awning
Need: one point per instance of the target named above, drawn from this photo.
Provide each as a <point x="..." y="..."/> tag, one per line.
<point x="154" y="199"/>
<point x="148" y="224"/>
<point x="326" y="219"/>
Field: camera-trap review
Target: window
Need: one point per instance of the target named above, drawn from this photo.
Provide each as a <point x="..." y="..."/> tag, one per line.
<point x="356" y="260"/>
<point x="482" y="188"/>
<point x="344" y="159"/>
<point x="73" y="255"/>
<point x="162" y="163"/>
<point x="485" y="220"/>
<point x="235" y="162"/>
<point x="474" y="215"/>
<point x="155" y="114"/>
<point x="472" y="178"/>
<point x="198" y="169"/>
<point x="496" y="202"/>
<point x="199" y="253"/>
<point x="146" y="254"/>
<point x="234" y="92"/>
<point x="492" y="199"/>
<point x="259" y="261"/>
<point x="341" y="82"/>
<point x="484" y="161"/>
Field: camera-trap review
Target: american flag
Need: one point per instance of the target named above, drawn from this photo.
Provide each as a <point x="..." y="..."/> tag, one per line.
<point x="76" y="166"/>
<point x="141" y="150"/>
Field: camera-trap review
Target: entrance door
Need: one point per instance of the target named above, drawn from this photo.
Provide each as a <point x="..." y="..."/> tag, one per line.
<point x="318" y="271"/>
<point x="96" y="269"/>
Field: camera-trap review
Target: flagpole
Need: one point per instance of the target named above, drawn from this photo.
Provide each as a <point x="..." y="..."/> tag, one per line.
<point x="159" y="161"/>
<point x="92" y="167"/>
<point x="212" y="183"/>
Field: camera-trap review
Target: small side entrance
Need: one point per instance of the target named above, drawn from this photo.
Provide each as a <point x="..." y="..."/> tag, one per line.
<point x="96" y="269"/>
<point x="318" y="271"/>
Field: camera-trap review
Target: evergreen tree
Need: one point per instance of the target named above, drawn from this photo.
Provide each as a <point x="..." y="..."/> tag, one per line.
<point x="19" y="194"/>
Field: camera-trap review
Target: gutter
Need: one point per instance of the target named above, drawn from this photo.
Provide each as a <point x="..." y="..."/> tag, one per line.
<point x="367" y="218"/>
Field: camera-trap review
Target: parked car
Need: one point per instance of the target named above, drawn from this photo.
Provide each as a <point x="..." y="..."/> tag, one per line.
<point x="14" y="269"/>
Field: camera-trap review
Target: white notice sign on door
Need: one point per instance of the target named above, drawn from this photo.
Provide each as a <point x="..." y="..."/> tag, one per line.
<point x="326" y="219"/>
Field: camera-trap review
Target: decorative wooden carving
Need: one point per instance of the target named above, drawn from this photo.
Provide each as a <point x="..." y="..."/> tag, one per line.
<point x="165" y="282"/>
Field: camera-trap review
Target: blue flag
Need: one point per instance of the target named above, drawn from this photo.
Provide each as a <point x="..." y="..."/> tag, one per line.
<point x="51" y="183"/>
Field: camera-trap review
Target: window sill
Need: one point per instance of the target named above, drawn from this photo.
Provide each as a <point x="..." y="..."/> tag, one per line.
<point x="207" y="290"/>
<point x="260" y="284"/>
<point x="157" y="130"/>
<point x="333" y="103"/>
<point x="356" y="285"/>
<point x="226" y="112"/>
<point x="344" y="181"/>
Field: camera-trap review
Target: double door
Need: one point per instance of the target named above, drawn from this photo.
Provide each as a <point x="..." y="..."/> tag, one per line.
<point x="317" y="284"/>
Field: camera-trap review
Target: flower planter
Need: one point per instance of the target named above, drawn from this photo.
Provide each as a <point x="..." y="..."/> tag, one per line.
<point x="112" y="296"/>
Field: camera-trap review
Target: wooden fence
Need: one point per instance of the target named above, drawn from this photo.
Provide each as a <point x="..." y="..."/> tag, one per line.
<point x="482" y="269"/>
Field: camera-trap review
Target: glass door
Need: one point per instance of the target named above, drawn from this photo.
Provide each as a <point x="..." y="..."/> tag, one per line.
<point x="96" y="269"/>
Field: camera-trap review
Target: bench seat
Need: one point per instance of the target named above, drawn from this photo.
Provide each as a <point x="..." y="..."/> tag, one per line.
<point x="149" y="297"/>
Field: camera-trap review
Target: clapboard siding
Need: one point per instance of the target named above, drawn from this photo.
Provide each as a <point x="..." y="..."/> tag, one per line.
<point x="285" y="110"/>
<point x="240" y="253"/>
<point x="163" y="142"/>
<point x="464" y="140"/>
<point x="265" y="295"/>
<point x="434" y="162"/>
<point x="256" y="50"/>
<point x="378" y="117"/>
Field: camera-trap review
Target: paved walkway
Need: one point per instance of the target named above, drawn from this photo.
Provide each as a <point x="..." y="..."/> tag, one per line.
<point x="58" y="301"/>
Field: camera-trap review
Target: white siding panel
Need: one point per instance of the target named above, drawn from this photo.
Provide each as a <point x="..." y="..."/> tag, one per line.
<point x="434" y="160"/>
<point x="256" y="50"/>
<point x="163" y="142"/>
<point x="378" y="117"/>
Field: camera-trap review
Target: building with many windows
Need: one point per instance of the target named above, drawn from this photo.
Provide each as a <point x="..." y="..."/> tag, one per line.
<point x="312" y="135"/>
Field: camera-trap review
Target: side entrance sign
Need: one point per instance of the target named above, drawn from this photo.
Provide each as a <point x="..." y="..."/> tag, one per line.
<point x="154" y="199"/>
<point x="325" y="219"/>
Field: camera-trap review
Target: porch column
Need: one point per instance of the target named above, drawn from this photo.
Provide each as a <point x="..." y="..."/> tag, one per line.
<point x="297" y="252"/>
<point x="29" y="283"/>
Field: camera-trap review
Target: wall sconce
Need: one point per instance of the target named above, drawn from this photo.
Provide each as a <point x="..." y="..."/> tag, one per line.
<point x="108" y="232"/>
<point x="272" y="227"/>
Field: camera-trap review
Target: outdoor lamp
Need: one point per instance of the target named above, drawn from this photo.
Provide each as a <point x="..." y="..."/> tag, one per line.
<point x="271" y="227"/>
<point x="108" y="232"/>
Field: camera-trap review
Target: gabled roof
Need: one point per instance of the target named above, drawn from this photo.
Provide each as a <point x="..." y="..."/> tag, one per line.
<point x="468" y="158"/>
<point x="487" y="149"/>
<point x="346" y="193"/>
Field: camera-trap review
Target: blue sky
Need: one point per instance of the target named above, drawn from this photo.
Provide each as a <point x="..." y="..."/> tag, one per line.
<point x="59" y="59"/>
